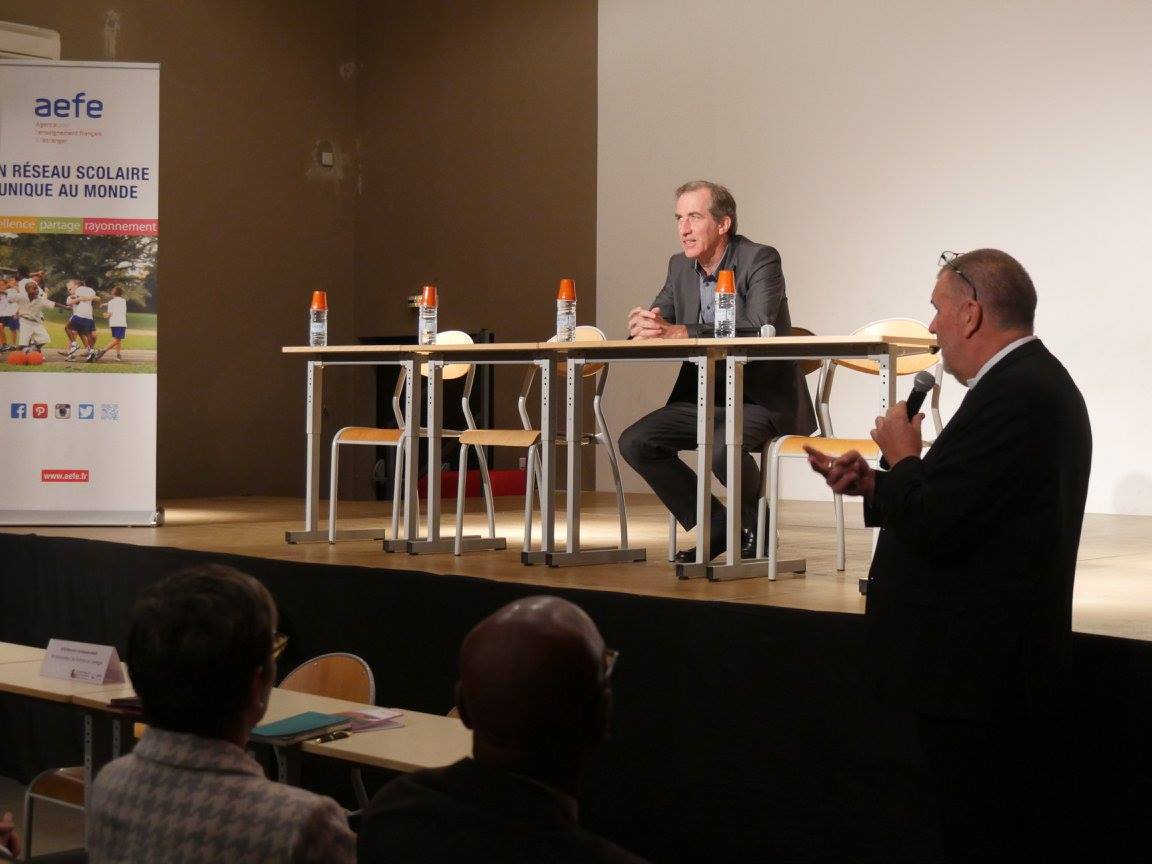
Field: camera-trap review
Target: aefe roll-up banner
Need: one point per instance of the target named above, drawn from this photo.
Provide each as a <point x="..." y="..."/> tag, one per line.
<point x="79" y="147"/>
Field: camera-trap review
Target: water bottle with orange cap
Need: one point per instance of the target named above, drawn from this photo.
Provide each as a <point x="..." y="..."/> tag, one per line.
<point x="566" y="311"/>
<point x="724" y="324"/>
<point x="426" y="334"/>
<point x="318" y="320"/>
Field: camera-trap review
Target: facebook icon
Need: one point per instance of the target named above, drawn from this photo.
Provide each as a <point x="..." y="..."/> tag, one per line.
<point x="19" y="410"/>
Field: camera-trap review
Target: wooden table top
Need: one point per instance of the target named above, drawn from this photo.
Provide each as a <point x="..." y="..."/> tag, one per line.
<point x="754" y="344"/>
<point x="424" y="741"/>
<point x="24" y="679"/>
<point x="10" y="652"/>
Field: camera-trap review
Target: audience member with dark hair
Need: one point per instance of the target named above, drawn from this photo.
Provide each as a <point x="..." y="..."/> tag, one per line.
<point x="202" y="656"/>
<point x="534" y="689"/>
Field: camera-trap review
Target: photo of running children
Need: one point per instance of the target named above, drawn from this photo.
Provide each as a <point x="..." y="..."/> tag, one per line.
<point x="9" y="320"/>
<point x="81" y="327"/>
<point x="52" y="287"/>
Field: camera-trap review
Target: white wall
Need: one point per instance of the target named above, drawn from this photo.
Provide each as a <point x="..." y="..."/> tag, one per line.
<point x="862" y="139"/>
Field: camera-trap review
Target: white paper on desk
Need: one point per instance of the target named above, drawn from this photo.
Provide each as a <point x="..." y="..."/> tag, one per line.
<point x="81" y="661"/>
<point x="373" y="718"/>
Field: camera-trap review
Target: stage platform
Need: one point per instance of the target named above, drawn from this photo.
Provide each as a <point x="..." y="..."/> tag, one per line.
<point x="1113" y="581"/>
<point x="745" y="729"/>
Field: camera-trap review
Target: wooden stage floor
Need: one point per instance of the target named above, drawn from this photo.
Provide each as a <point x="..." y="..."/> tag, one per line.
<point x="1113" y="581"/>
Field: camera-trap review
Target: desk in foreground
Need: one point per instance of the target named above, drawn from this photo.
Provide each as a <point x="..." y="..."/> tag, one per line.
<point x="10" y="652"/>
<point x="24" y="679"/>
<point x="424" y="741"/>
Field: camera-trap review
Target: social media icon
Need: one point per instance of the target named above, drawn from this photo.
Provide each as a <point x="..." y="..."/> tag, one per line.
<point x="86" y="411"/>
<point x="63" y="411"/>
<point x="19" y="410"/>
<point x="39" y="410"/>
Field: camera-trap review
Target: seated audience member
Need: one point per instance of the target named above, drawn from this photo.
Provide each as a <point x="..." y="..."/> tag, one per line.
<point x="9" y="841"/>
<point x="534" y="690"/>
<point x="10" y="847"/>
<point x="202" y="655"/>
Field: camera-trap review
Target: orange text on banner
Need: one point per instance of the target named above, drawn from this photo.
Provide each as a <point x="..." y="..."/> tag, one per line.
<point x="19" y="225"/>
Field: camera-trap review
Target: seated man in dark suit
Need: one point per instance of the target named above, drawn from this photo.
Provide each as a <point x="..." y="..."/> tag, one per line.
<point x="202" y="657"/>
<point x="534" y="690"/>
<point x="776" y="399"/>
<point x="970" y="591"/>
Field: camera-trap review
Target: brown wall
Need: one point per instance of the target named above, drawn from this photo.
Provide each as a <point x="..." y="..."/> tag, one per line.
<point x="477" y="137"/>
<point x="248" y="225"/>
<point x="465" y="139"/>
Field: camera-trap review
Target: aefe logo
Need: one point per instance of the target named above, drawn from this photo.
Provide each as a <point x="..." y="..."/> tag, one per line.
<point x="78" y="106"/>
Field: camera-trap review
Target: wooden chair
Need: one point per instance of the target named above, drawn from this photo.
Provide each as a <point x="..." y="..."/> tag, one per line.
<point x="528" y="438"/>
<point x="792" y="446"/>
<point x="370" y="436"/>
<point x="338" y="676"/>
<point x="63" y="786"/>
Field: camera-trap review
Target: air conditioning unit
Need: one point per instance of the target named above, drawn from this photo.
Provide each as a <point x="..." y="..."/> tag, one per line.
<point x="21" y="42"/>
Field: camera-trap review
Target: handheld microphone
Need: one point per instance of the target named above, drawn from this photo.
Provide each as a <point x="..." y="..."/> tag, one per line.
<point x="924" y="382"/>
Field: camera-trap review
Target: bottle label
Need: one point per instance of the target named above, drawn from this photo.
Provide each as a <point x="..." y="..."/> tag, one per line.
<point x="318" y="333"/>
<point x="724" y="323"/>
<point x="565" y="320"/>
<point x="426" y="333"/>
<point x="565" y="326"/>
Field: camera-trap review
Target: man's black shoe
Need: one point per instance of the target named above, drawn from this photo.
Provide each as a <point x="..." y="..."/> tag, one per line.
<point x="720" y="546"/>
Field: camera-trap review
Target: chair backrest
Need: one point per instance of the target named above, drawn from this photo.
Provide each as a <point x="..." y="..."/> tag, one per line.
<point x="599" y="371"/>
<point x="585" y="333"/>
<point x="807" y="367"/>
<point x="337" y="675"/>
<point x="452" y="370"/>
<point x="908" y="364"/>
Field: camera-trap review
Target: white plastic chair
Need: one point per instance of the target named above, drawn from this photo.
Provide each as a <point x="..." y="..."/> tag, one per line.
<point x="792" y="446"/>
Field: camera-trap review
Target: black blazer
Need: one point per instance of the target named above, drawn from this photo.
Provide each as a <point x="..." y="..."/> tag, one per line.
<point x="970" y="590"/>
<point x="471" y="812"/>
<point x="779" y="386"/>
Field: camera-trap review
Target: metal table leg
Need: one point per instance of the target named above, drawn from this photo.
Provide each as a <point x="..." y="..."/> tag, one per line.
<point x="411" y="455"/>
<point x="433" y="543"/>
<point x="547" y="463"/>
<point x="89" y="772"/>
<point x="574" y="433"/>
<point x="734" y="567"/>
<point x="312" y="427"/>
<point x="705" y="417"/>
<point x="885" y="367"/>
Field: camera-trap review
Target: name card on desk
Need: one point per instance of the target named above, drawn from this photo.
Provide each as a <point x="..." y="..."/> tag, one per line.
<point x="80" y="661"/>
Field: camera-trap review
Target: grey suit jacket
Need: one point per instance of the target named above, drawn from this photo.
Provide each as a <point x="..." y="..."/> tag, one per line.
<point x="761" y="299"/>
